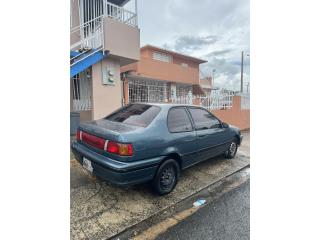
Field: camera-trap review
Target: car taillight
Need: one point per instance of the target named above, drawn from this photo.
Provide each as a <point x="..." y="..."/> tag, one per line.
<point x="92" y="140"/>
<point x="120" y="148"/>
<point x="79" y="135"/>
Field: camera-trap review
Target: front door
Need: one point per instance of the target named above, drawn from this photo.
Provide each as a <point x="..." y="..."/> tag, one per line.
<point x="183" y="136"/>
<point x="212" y="139"/>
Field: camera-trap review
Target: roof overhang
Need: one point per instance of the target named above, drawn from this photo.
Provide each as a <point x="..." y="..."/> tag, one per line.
<point x="139" y="77"/>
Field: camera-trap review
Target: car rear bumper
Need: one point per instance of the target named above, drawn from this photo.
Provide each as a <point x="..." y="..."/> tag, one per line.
<point x="116" y="172"/>
<point x="241" y="137"/>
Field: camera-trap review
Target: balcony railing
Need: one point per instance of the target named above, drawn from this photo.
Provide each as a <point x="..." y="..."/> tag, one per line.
<point x="90" y="35"/>
<point x="120" y="14"/>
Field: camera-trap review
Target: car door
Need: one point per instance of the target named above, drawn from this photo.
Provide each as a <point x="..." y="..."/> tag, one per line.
<point x="182" y="134"/>
<point x="212" y="137"/>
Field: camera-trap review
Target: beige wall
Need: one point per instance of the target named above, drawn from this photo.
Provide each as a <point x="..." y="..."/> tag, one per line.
<point x="122" y="40"/>
<point x="85" y="116"/>
<point x="105" y="98"/>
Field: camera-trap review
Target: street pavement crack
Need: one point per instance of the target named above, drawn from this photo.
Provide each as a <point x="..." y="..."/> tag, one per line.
<point x="95" y="194"/>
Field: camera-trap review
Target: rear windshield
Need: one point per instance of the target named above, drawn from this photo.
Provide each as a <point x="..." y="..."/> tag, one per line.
<point x="135" y="114"/>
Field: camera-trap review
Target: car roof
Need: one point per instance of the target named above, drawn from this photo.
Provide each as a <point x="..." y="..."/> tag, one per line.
<point x="167" y="105"/>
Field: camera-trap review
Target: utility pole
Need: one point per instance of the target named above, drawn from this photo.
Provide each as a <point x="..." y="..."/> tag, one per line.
<point x="136" y="10"/>
<point x="241" y="89"/>
<point x="212" y="80"/>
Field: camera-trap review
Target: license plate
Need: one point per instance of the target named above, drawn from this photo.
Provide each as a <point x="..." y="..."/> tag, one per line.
<point x="86" y="163"/>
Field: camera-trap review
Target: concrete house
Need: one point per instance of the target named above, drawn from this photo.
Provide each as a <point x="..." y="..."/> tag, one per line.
<point x="104" y="36"/>
<point x="162" y="76"/>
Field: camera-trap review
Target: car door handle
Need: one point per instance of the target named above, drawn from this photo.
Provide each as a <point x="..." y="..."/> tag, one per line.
<point x="189" y="140"/>
<point x="203" y="136"/>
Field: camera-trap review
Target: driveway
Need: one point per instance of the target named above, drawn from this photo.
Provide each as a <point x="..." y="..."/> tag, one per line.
<point x="100" y="210"/>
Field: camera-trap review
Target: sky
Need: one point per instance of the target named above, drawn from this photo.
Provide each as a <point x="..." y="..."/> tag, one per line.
<point x="213" y="30"/>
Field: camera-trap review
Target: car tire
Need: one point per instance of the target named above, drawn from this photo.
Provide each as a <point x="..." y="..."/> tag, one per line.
<point x="166" y="177"/>
<point x="232" y="149"/>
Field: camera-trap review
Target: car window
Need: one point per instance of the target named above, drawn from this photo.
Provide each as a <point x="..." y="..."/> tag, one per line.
<point x="135" y="114"/>
<point x="203" y="119"/>
<point x="178" y="120"/>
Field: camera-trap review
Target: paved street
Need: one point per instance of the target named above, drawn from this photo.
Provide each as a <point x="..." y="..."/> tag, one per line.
<point x="226" y="218"/>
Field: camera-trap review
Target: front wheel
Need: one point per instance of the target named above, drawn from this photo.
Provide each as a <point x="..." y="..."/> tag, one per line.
<point x="232" y="149"/>
<point x="166" y="177"/>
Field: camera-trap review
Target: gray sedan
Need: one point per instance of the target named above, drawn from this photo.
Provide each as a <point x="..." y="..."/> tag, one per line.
<point x="144" y="142"/>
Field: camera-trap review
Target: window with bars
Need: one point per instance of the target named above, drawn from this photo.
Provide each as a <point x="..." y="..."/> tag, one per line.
<point x="147" y="91"/>
<point x="81" y="94"/>
<point x="162" y="57"/>
<point x="142" y="90"/>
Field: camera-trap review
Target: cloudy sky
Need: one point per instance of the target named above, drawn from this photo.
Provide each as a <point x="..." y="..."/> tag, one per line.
<point x="214" y="30"/>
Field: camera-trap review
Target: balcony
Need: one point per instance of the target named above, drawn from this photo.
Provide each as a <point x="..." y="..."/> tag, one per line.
<point x="120" y="14"/>
<point x="102" y="26"/>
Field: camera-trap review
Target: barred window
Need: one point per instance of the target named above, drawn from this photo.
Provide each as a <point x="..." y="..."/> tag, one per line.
<point x="162" y="57"/>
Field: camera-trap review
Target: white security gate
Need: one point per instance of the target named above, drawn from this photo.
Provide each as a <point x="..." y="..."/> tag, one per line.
<point x="82" y="88"/>
<point x="147" y="90"/>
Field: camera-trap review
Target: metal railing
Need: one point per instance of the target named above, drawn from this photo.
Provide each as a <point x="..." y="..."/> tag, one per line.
<point x="217" y="100"/>
<point x="91" y="37"/>
<point x="120" y="14"/>
<point x="81" y="90"/>
<point x="90" y="34"/>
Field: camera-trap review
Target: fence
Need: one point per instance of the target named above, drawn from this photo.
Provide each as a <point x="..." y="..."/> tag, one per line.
<point x="236" y="115"/>
<point x="217" y="99"/>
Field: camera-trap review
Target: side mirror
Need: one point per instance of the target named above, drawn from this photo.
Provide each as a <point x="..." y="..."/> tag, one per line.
<point x="225" y="125"/>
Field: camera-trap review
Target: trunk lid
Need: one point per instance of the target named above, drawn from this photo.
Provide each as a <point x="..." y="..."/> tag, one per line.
<point x="107" y="129"/>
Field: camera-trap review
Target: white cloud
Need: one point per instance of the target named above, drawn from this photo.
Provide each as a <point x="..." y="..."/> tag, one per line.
<point x="211" y="29"/>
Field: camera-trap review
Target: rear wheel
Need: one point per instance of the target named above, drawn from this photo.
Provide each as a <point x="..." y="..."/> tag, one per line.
<point x="232" y="149"/>
<point x="166" y="177"/>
